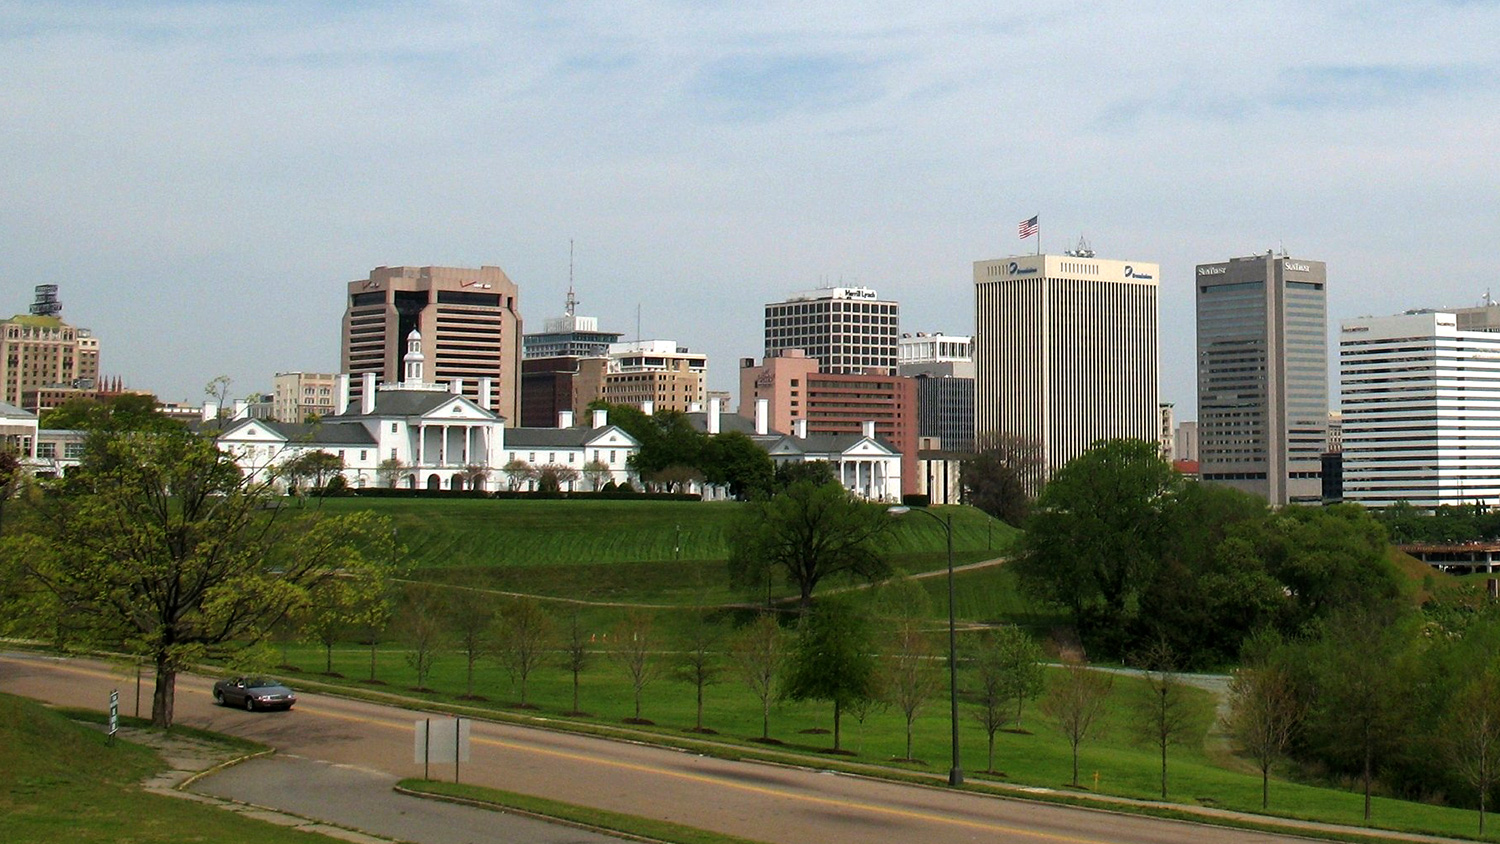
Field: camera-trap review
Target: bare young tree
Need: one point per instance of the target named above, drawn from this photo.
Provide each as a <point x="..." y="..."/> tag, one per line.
<point x="1075" y="700"/>
<point x="596" y="473"/>
<point x="554" y="477"/>
<point x="699" y="662"/>
<point x="1264" y="712"/>
<point x="422" y="631"/>
<point x="634" y="649"/>
<point x="475" y="475"/>
<point x="1009" y="672"/>
<point x="759" y="652"/>
<point x="525" y="631"/>
<point x="471" y="617"/>
<point x="910" y="675"/>
<point x="1164" y="710"/>
<point x="517" y="472"/>
<point x="576" y="655"/>
<point x="1473" y="734"/>
<point x="390" y="470"/>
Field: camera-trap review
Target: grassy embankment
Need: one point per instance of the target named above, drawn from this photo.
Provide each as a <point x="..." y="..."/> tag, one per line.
<point x="65" y="782"/>
<point x="624" y="552"/>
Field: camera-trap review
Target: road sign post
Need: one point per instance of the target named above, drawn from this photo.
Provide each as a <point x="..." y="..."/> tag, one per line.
<point x="114" y="713"/>
<point x="441" y="741"/>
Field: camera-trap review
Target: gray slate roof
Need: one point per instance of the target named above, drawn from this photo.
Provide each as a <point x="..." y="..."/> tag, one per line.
<point x="556" y="437"/>
<point x="324" y="433"/>
<point x="830" y="443"/>
<point x="403" y="403"/>
<point x="729" y="422"/>
<point x="10" y="411"/>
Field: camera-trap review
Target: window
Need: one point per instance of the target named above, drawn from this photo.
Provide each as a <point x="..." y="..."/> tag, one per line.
<point x="362" y="454"/>
<point x="393" y="427"/>
<point x="341" y="454"/>
<point x="611" y="455"/>
<point x="46" y="451"/>
<point x="72" y="451"/>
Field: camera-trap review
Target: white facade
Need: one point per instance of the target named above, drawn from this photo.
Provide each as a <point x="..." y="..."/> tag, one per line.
<point x="1421" y="410"/>
<point x="1066" y="351"/>
<point x="866" y="466"/>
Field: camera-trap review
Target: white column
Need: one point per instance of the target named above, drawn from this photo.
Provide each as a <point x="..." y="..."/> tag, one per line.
<point x="468" y="435"/>
<point x="421" y="443"/>
<point x="443" y="445"/>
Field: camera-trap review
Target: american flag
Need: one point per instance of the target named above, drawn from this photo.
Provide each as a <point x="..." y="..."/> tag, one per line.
<point x="1029" y="227"/>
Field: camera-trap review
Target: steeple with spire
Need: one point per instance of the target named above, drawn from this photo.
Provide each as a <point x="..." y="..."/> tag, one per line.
<point x="412" y="372"/>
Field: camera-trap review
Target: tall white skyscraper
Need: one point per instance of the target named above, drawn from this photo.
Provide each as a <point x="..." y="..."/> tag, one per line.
<point x="1421" y="407"/>
<point x="1066" y="351"/>
<point x="1263" y="375"/>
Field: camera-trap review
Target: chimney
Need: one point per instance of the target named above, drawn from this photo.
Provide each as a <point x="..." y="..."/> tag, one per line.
<point x="869" y="427"/>
<point x="456" y="386"/>
<point x="601" y="418"/>
<point x="713" y="416"/>
<point x="565" y="419"/>
<point x="762" y="416"/>
<point x="695" y="407"/>
<point x="210" y="411"/>
<point x="648" y="407"/>
<point x="484" y="393"/>
<point x="241" y="409"/>
<point x="799" y="428"/>
<point x="367" y="393"/>
<point x="341" y="384"/>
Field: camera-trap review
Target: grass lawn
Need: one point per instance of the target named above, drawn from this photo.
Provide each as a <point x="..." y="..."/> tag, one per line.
<point x="468" y="533"/>
<point x="1114" y="763"/>
<point x="63" y="781"/>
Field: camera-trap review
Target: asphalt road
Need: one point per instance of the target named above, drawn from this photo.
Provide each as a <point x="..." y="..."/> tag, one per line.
<point x="760" y="802"/>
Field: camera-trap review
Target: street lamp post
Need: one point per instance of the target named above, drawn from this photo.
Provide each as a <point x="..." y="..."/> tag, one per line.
<point x="956" y="773"/>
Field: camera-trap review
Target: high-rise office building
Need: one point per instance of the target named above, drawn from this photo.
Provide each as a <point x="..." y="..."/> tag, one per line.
<point x="657" y="371"/>
<point x="847" y="330"/>
<point x="43" y="360"/>
<point x="1065" y="347"/>
<point x="943" y="367"/>
<point x="1421" y="407"/>
<point x="550" y="364"/>
<point x="469" y="321"/>
<point x="1263" y="375"/>
<point x="295" y="396"/>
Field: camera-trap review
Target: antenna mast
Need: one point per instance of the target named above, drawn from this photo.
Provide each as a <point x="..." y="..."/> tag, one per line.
<point x="571" y="307"/>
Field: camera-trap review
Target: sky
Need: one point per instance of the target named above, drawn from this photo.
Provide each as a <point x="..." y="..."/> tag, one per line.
<point x="202" y="179"/>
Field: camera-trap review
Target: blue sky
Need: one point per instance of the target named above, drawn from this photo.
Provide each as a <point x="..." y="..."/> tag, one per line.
<point x="201" y="178"/>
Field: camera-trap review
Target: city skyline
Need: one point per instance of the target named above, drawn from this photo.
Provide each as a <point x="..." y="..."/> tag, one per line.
<point x="209" y="165"/>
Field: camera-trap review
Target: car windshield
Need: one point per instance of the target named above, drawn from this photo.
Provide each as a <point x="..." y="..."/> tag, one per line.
<point x="260" y="682"/>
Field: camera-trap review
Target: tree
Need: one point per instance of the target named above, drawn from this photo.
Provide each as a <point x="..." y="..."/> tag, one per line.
<point x="525" y="630"/>
<point x="698" y="662"/>
<point x="422" y="630"/>
<point x="595" y="474"/>
<point x="576" y="654"/>
<point x="1164" y="711"/>
<point x="815" y="472"/>
<point x="11" y="474"/>
<point x="218" y="390"/>
<point x="759" y="653"/>
<point x="677" y="478"/>
<point x="634" y="649"/>
<point x="471" y="617"/>
<point x="517" y="472"/>
<point x="1075" y="700"/>
<point x="117" y="414"/>
<point x="1010" y="672"/>
<point x="1473" y="733"/>
<point x="1264" y="712"/>
<point x="1098" y="532"/>
<point x="166" y="550"/>
<point x="553" y="476"/>
<point x="909" y="675"/>
<point x="475" y="475"/>
<point x="810" y="533"/>
<point x="734" y="461"/>
<point x="831" y="660"/>
<point x="1003" y="475"/>
<point x="311" y="466"/>
<point x="390" y="470"/>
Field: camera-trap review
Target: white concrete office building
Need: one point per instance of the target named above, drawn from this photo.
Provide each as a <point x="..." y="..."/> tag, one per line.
<point x="1066" y="351"/>
<point x="1421" y="407"/>
<point x="1263" y="375"/>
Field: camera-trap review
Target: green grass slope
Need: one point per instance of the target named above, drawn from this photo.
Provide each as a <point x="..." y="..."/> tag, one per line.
<point x="65" y="782"/>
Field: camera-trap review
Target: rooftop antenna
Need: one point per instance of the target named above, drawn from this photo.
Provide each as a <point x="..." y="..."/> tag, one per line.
<point x="571" y="307"/>
<point x="1082" y="250"/>
<point x="637" y="322"/>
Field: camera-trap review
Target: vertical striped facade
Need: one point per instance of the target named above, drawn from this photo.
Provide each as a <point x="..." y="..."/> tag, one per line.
<point x="1066" y="351"/>
<point x="1421" y="409"/>
<point x="1263" y="375"/>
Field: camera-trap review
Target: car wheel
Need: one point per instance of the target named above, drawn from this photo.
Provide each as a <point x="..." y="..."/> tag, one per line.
<point x="249" y="704"/>
<point x="218" y="697"/>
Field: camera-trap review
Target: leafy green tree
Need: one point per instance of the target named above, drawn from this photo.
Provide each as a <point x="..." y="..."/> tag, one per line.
<point x="596" y="473"/>
<point x="113" y="414"/>
<point x="167" y="551"/>
<point x="831" y="660"/>
<point x="759" y="653"/>
<point x="518" y="472"/>
<point x="313" y="468"/>
<point x="390" y="470"/>
<point x="554" y="476"/>
<point x="1098" y="532"/>
<point x="1011" y="673"/>
<point x="734" y="461"/>
<point x="524" y="634"/>
<point x="815" y="472"/>
<point x="809" y="533"/>
<point x="909" y="674"/>
<point x="1329" y="559"/>
<point x="11" y="474"/>
<point x="1001" y="476"/>
<point x="1075" y="701"/>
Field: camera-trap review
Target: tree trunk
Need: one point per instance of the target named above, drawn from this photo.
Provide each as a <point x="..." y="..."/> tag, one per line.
<point x="372" y="659"/>
<point x="989" y="761"/>
<point x="164" y="697"/>
<point x="1367" y="780"/>
<point x="700" y="708"/>
<point x="908" y="739"/>
<point x="765" y="718"/>
<point x="1075" y="764"/>
<point x="327" y="657"/>
<point x="836" y="711"/>
<point x="1265" y="785"/>
<point x="575" y="691"/>
<point x="469" y="680"/>
<point x="1163" y="770"/>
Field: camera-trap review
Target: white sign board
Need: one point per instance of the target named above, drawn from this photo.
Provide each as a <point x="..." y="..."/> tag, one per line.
<point x="441" y="740"/>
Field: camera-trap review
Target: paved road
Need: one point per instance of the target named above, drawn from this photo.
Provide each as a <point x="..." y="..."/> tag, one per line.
<point x="761" y="802"/>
